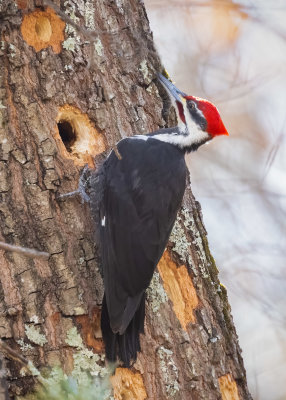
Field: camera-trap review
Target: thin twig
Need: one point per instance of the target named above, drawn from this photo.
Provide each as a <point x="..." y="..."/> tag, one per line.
<point x="32" y="253"/>
<point x="12" y="354"/>
<point x="116" y="151"/>
<point x="27" y="364"/>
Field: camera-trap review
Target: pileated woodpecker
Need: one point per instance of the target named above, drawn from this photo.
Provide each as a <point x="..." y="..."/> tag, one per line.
<point x="141" y="189"/>
<point x="135" y="196"/>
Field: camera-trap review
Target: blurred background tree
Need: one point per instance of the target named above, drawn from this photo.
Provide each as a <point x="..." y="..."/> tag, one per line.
<point x="234" y="53"/>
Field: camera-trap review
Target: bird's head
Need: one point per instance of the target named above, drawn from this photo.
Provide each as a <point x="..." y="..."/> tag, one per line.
<point x="198" y="119"/>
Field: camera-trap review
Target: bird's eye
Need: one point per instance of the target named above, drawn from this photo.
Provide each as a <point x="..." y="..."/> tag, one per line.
<point x="191" y="105"/>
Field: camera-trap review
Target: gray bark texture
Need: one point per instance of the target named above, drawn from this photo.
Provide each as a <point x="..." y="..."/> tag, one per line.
<point x="68" y="94"/>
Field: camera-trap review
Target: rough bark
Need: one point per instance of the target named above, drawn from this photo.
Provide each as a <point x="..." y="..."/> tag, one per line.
<point x="67" y="96"/>
<point x="3" y="384"/>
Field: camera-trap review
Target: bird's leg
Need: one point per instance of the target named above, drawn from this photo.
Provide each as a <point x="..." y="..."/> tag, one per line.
<point x="82" y="187"/>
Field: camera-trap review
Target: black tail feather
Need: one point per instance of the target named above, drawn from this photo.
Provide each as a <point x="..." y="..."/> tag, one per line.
<point x="127" y="345"/>
<point x="109" y="337"/>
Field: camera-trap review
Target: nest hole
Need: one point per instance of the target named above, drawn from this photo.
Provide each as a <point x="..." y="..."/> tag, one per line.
<point x="79" y="139"/>
<point x="67" y="134"/>
<point x="43" y="28"/>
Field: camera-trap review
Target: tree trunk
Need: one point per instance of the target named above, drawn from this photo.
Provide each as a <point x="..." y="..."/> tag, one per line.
<point x="71" y="87"/>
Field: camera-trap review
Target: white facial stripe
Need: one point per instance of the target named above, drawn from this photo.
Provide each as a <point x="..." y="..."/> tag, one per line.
<point x="196" y="136"/>
<point x="199" y="111"/>
<point x="191" y="132"/>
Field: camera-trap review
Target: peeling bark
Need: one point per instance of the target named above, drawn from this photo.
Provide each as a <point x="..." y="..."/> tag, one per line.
<point x="63" y="99"/>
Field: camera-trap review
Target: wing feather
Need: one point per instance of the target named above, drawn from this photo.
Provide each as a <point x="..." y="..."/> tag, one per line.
<point x="140" y="203"/>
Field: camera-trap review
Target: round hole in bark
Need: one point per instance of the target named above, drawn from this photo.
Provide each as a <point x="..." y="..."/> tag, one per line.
<point x="43" y="28"/>
<point x="67" y="134"/>
<point x="79" y="139"/>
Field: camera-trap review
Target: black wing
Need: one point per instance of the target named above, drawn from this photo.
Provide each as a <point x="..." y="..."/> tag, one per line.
<point x="143" y="192"/>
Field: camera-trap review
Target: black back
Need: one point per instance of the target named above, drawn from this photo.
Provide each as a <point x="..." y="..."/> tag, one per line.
<point x="143" y="190"/>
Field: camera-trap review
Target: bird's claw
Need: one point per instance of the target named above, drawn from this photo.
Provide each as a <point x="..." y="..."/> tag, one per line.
<point x="81" y="191"/>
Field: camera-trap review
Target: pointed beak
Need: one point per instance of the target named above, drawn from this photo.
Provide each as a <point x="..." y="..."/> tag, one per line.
<point x="171" y="88"/>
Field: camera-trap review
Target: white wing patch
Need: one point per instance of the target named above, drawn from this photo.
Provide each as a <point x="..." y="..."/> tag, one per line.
<point x="141" y="137"/>
<point x="103" y="221"/>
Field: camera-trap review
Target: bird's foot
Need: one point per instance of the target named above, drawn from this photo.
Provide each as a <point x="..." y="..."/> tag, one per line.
<point x="82" y="187"/>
